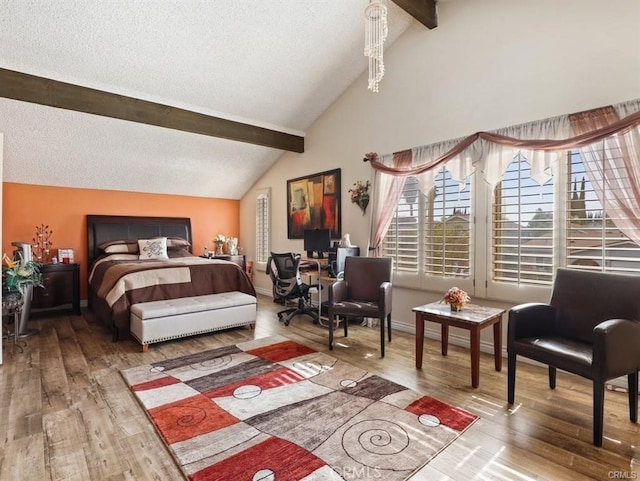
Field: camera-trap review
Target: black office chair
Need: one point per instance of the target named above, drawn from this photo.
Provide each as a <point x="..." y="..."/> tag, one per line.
<point x="284" y="271"/>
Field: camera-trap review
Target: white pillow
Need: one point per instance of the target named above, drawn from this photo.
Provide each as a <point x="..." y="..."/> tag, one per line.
<point x="153" y="248"/>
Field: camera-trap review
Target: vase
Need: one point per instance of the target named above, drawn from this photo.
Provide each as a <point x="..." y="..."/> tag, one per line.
<point x="232" y="246"/>
<point x="11" y="296"/>
<point x="15" y="298"/>
<point x="363" y="203"/>
<point x="219" y="251"/>
<point x="455" y="308"/>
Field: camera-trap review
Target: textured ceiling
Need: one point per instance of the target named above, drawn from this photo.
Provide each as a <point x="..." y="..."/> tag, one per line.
<point x="276" y="63"/>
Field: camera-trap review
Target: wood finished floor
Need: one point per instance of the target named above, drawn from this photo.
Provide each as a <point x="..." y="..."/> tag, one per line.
<point x="66" y="413"/>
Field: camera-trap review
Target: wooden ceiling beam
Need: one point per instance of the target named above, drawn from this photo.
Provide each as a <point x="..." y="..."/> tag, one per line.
<point x="424" y="11"/>
<point x="44" y="91"/>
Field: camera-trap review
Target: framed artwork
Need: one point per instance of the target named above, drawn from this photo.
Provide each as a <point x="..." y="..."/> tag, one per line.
<point x="65" y="255"/>
<point x="313" y="202"/>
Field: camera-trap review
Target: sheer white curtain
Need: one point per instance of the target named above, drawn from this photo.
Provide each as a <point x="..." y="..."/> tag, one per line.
<point x="387" y="191"/>
<point x="460" y="167"/>
<point x="495" y="158"/>
<point x="388" y="188"/>
<point x="613" y="166"/>
<point x="542" y="143"/>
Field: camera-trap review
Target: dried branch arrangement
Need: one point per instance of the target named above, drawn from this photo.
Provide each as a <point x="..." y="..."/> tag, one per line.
<point x="42" y="244"/>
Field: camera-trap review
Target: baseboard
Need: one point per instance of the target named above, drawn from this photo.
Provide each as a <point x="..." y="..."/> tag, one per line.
<point x="264" y="292"/>
<point x="618" y="384"/>
<point x="454" y="339"/>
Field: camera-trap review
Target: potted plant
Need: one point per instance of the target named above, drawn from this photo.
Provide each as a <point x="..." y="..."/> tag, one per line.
<point x="18" y="274"/>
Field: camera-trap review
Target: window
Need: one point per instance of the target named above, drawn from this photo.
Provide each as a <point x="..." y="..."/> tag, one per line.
<point x="529" y="241"/>
<point x="447" y="228"/>
<point x="593" y="241"/>
<point x="430" y="234"/>
<point x="402" y="242"/>
<point x="523" y="218"/>
<point x="263" y="207"/>
<point x="524" y="233"/>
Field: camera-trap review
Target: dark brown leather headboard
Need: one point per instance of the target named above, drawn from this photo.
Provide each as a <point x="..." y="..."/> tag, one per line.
<point x="103" y="228"/>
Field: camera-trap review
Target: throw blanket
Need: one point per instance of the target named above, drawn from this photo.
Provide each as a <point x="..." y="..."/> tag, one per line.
<point x="118" y="281"/>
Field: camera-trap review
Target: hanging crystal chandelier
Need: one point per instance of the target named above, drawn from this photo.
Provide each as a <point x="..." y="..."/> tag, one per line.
<point x="375" y="33"/>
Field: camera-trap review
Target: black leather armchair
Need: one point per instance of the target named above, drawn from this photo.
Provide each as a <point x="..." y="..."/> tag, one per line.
<point x="591" y="327"/>
<point x="284" y="271"/>
<point x="364" y="291"/>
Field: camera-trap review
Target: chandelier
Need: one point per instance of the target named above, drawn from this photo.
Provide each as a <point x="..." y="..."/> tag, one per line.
<point x="375" y="33"/>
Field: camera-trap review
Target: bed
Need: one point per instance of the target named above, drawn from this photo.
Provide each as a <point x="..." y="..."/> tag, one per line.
<point x="118" y="279"/>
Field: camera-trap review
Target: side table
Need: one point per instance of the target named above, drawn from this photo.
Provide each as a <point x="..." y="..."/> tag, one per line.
<point x="239" y="259"/>
<point x="473" y="318"/>
<point x="61" y="287"/>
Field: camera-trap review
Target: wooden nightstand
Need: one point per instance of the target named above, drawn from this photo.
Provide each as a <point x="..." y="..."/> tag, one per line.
<point x="237" y="259"/>
<point x="61" y="286"/>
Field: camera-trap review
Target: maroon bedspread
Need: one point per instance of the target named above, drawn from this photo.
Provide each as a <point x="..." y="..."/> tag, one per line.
<point x="118" y="281"/>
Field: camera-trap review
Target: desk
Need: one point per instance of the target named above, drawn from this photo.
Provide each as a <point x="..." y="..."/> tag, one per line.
<point x="314" y="264"/>
<point x="310" y="265"/>
<point x="473" y="318"/>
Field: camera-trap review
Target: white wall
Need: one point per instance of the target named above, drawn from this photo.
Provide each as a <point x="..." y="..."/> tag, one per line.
<point x="489" y="64"/>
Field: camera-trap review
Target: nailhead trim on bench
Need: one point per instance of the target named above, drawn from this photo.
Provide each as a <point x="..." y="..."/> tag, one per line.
<point x="199" y="311"/>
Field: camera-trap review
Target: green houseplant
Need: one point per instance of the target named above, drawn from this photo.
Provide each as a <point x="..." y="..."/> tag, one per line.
<point x="17" y="274"/>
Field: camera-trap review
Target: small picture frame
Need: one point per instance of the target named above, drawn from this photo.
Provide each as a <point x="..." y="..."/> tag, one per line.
<point x="65" y="255"/>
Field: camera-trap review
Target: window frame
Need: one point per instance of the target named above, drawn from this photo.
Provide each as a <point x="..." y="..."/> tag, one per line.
<point x="518" y="293"/>
<point x="428" y="281"/>
<point x="263" y="234"/>
<point x="480" y="283"/>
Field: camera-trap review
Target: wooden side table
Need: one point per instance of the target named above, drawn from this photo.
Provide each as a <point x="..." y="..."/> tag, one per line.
<point x="472" y="317"/>
<point x="61" y="286"/>
<point x="239" y="259"/>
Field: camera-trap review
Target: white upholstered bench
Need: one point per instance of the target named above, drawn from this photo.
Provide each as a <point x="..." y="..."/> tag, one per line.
<point x="158" y="321"/>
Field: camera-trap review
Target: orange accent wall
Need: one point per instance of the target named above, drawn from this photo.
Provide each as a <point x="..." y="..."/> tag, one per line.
<point x="63" y="209"/>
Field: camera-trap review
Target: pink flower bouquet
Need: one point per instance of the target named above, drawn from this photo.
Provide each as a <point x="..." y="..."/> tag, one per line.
<point x="456" y="298"/>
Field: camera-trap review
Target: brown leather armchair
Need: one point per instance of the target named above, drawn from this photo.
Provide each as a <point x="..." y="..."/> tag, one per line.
<point x="364" y="291"/>
<point x="591" y="327"/>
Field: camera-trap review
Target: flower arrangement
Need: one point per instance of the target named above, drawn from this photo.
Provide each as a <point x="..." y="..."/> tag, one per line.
<point x="456" y="298"/>
<point x="219" y="241"/>
<point x="19" y="274"/>
<point x="360" y="194"/>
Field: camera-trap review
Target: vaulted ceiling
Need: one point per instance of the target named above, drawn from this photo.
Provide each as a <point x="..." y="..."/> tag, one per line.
<point x="253" y="70"/>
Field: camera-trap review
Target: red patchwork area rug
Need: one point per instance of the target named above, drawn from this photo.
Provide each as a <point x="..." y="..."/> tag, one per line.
<point x="273" y="409"/>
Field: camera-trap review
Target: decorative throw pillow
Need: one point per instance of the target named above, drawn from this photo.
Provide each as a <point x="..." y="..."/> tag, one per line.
<point x="177" y="243"/>
<point x="119" y="247"/>
<point x="153" y="248"/>
<point x="173" y="253"/>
